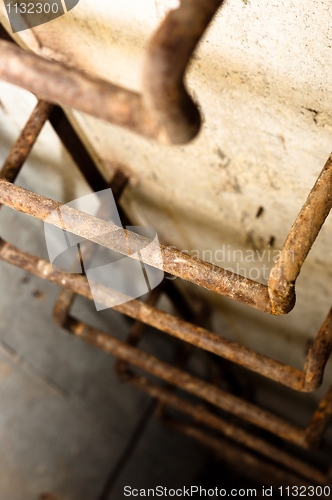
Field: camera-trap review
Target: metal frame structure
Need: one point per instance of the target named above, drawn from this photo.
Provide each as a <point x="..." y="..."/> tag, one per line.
<point x="166" y="112"/>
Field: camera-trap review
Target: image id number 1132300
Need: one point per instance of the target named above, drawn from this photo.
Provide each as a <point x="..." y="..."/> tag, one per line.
<point x="305" y="491"/>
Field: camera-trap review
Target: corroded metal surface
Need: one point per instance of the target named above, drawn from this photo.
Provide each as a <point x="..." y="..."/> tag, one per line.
<point x="165" y="322"/>
<point x="307" y="380"/>
<point x="166" y="397"/>
<point x="320" y="421"/>
<point x="206" y="391"/>
<point x="151" y="364"/>
<point x="179" y="264"/>
<point x="189" y="383"/>
<point x="58" y="84"/>
<point x="166" y="112"/>
<point x="299" y="242"/>
<point x="167" y="58"/>
<point x="318" y="356"/>
<point x="22" y="147"/>
<point x="125" y="352"/>
<point x="172" y="113"/>
<point x="248" y="464"/>
<point x="111" y="236"/>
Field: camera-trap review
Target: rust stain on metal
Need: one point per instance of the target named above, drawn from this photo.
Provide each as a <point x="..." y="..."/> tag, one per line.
<point x="318" y="356"/>
<point x="59" y="84"/>
<point x="299" y="242"/>
<point x="187" y="382"/>
<point x="199" y="272"/>
<point x="206" y="391"/>
<point x="111" y="236"/>
<point x="168" y="56"/>
<point x="232" y="431"/>
<point x="165" y="322"/>
<point x="319" y="422"/>
<point x="165" y="111"/>
<point x="257" y="469"/>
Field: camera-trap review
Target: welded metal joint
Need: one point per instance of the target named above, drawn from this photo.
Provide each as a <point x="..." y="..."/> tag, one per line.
<point x="299" y="242"/>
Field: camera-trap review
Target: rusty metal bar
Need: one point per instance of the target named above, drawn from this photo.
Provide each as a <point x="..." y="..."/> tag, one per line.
<point x="319" y="422"/>
<point x="62" y="85"/>
<point x="234" y="432"/>
<point x="165" y="85"/>
<point x="279" y="298"/>
<point x="173" y="262"/>
<point x="168" y="373"/>
<point x="281" y="290"/>
<point x="118" y="181"/>
<point x="168" y="56"/>
<point x="22" y="147"/>
<point x="312" y="435"/>
<point x="137" y="330"/>
<point x="207" y="391"/>
<point x="320" y="351"/>
<point x="171" y="116"/>
<point x="299" y="242"/>
<point x="111" y="236"/>
<point x="322" y="335"/>
<point x="76" y="149"/>
<point x="83" y="160"/>
<point x="160" y="320"/>
<point x="246" y="463"/>
<point x="318" y="356"/>
<point x="178" y="378"/>
<point x="118" y="184"/>
<point x="63" y="305"/>
<point x="187" y="382"/>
